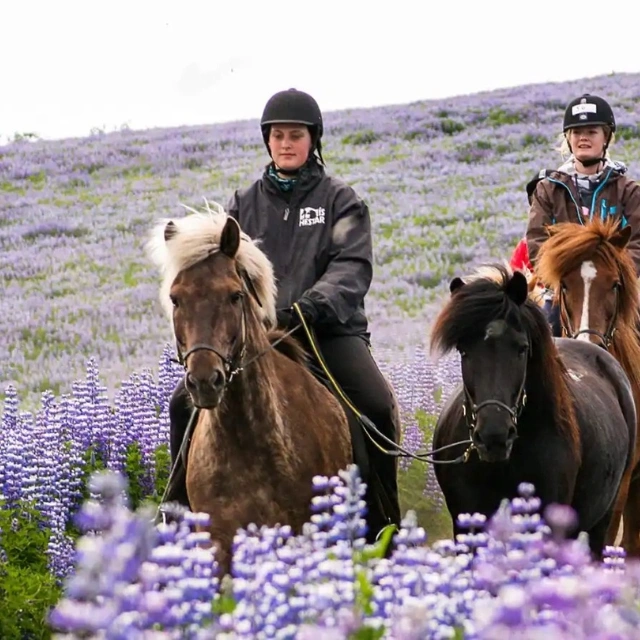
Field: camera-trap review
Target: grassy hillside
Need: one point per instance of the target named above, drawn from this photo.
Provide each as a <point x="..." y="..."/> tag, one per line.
<point x="444" y="179"/>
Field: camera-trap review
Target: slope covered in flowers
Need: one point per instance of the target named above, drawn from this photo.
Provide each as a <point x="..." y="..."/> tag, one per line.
<point x="444" y="180"/>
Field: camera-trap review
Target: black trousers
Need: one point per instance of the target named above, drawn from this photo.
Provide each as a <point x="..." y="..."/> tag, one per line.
<point x="553" y="315"/>
<point x="351" y="363"/>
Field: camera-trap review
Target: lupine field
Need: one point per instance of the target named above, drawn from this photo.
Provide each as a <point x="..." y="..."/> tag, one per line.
<point x="86" y="373"/>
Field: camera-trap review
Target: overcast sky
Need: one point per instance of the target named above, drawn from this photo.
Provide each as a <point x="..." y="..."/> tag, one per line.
<point x="67" y="66"/>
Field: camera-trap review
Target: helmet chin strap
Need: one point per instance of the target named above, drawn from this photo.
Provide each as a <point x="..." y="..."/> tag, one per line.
<point x="591" y="161"/>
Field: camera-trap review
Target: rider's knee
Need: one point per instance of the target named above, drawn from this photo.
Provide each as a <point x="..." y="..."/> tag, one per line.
<point x="380" y="409"/>
<point x="178" y="402"/>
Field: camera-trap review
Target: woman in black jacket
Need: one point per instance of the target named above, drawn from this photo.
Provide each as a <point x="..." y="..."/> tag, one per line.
<point x="316" y="231"/>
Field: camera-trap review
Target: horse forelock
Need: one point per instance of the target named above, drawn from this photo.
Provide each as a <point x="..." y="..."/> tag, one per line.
<point x="481" y="300"/>
<point x="197" y="236"/>
<point x="570" y="244"/>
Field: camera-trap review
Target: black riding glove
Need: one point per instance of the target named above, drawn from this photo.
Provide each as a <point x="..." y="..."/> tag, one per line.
<point x="308" y="309"/>
<point x="284" y="318"/>
<point x="288" y="318"/>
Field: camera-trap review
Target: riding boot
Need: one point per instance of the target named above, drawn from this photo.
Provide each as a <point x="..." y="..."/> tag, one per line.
<point x="382" y="498"/>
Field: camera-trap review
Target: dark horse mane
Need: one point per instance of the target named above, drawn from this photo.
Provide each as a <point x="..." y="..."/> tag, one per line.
<point x="489" y="295"/>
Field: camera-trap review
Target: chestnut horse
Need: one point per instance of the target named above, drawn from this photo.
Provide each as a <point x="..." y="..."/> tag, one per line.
<point x="594" y="282"/>
<point x="266" y="425"/>
<point x="559" y="414"/>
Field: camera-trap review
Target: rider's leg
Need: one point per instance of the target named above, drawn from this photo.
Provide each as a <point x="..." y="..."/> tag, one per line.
<point x="350" y="361"/>
<point x="553" y="316"/>
<point x="179" y="414"/>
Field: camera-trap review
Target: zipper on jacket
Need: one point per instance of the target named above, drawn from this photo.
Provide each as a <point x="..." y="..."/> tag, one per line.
<point x="593" y="197"/>
<point x="595" y="193"/>
<point x="286" y="214"/>
<point x="578" y="211"/>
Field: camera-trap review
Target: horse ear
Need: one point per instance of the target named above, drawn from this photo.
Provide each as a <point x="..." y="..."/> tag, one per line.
<point x="170" y="230"/>
<point x="455" y="284"/>
<point x="230" y="237"/>
<point x="518" y="288"/>
<point x="620" y="239"/>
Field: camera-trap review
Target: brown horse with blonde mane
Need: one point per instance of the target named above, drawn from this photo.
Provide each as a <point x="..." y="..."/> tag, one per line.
<point x="266" y="425"/>
<point x="595" y="285"/>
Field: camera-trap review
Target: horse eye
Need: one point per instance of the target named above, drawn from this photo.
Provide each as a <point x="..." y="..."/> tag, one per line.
<point x="236" y="296"/>
<point x="174" y="301"/>
<point x="462" y="352"/>
<point x="522" y="349"/>
<point x="616" y="286"/>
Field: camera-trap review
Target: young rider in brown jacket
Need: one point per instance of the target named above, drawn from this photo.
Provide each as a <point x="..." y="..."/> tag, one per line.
<point x="589" y="183"/>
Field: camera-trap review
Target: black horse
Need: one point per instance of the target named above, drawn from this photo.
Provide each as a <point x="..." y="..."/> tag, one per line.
<point x="558" y="413"/>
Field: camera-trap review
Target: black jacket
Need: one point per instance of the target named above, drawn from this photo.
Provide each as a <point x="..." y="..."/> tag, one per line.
<point x="318" y="238"/>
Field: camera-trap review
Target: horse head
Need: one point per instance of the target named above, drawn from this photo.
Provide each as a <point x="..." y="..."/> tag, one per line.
<point x="593" y="278"/>
<point x="219" y="291"/>
<point x="490" y="321"/>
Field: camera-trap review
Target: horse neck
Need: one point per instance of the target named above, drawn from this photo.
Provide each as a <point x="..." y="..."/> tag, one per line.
<point x="251" y="410"/>
<point x="548" y="394"/>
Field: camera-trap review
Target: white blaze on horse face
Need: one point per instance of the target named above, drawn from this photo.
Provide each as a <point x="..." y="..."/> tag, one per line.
<point x="588" y="272"/>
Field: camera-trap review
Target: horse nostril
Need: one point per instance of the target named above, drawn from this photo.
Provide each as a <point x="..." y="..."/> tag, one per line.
<point x="511" y="434"/>
<point x="217" y="379"/>
<point x="477" y="438"/>
<point x="190" y="382"/>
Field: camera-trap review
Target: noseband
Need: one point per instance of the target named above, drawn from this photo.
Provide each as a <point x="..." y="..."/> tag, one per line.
<point x="231" y="369"/>
<point x="606" y="337"/>
<point x="470" y="410"/>
<point x="234" y="364"/>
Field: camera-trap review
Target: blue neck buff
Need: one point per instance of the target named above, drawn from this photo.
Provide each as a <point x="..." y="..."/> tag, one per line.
<point x="284" y="184"/>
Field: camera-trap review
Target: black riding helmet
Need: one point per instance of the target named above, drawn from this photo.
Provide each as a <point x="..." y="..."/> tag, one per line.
<point x="589" y="110"/>
<point x="293" y="107"/>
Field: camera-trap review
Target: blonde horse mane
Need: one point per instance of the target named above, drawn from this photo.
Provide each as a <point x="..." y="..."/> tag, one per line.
<point x="493" y="273"/>
<point x="195" y="237"/>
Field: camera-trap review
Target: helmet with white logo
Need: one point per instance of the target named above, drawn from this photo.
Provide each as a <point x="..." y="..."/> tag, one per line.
<point x="588" y="110"/>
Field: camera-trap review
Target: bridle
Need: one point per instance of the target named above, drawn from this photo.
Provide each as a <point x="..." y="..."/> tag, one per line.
<point x="233" y="363"/>
<point x="470" y="410"/>
<point x="606" y="337"/>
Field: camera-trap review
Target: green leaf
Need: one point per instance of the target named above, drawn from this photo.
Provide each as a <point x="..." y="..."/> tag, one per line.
<point x="364" y="592"/>
<point x="367" y="633"/>
<point x="379" y="548"/>
<point x="223" y="604"/>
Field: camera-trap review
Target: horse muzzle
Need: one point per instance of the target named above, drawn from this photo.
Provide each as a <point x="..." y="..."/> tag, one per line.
<point x="205" y="393"/>
<point x="494" y="444"/>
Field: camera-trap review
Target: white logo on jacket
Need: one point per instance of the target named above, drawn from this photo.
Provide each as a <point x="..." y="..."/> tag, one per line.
<point x="310" y="216"/>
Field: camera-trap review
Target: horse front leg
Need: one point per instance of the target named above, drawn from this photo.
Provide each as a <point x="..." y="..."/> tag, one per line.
<point x="631" y="530"/>
<point x="619" y="507"/>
